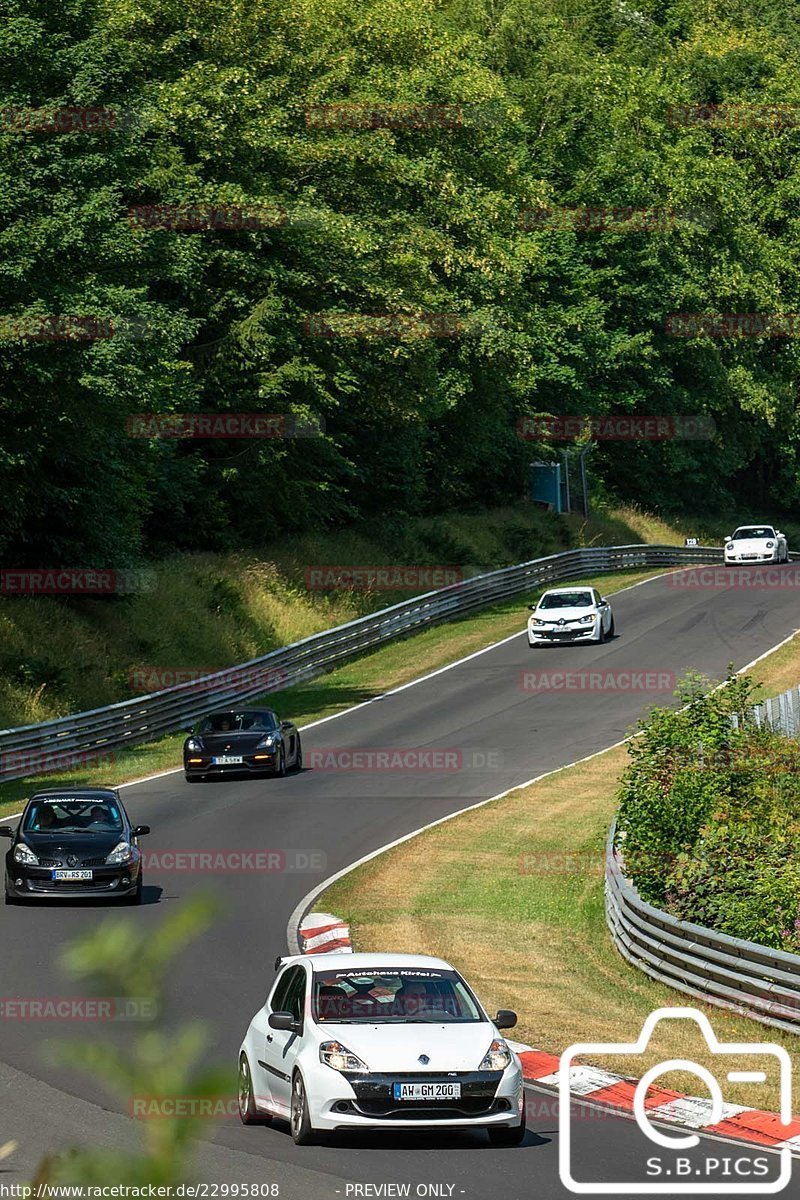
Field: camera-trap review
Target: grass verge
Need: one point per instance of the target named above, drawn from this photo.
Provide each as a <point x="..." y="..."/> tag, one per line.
<point x="512" y="894"/>
<point x="362" y="679"/>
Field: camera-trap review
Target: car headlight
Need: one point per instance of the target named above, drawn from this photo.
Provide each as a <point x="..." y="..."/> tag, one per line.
<point x="730" y="546"/>
<point x="770" y="545"/>
<point x="268" y="743"/>
<point x="497" y="1057"/>
<point x="587" y="620"/>
<point x="194" y="744"/>
<point x="122" y="853"/>
<point x="337" y="1056"/>
<point x="536" y="621"/>
<point x="24" y="854"/>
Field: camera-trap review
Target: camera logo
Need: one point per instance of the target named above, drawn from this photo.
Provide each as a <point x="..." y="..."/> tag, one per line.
<point x="732" y="1068"/>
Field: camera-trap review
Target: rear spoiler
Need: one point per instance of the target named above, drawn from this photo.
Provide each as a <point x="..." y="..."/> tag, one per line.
<point x="279" y="961"/>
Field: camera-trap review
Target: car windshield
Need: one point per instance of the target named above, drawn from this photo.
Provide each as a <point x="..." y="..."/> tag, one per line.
<point x="239" y="722"/>
<point x="72" y="816"/>
<point x="753" y="531"/>
<point x="394" y="995"/>
<point x="566" y="600"/>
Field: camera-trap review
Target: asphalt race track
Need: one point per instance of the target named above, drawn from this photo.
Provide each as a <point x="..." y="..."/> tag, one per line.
<point x="497" y="734"/>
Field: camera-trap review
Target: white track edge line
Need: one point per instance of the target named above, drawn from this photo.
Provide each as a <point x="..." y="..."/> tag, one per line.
<point x="354" y="708"/>
<point x="309" y="899"/>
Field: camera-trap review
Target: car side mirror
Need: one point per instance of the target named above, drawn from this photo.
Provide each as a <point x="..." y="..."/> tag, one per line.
<point x="533" y="607"/>
<point x="6" y="831"/>
<point x="505" y="1019"/>
<point x="283" y="1020"/>
<point x="286" y="724"/>
<point x="727" y="538"/>
<point x="141" y="830"/>
<point x="602" y="604"/>
<point x="188" y="729"/>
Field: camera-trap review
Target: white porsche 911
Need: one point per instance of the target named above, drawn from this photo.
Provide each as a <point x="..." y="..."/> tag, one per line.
<point x="570" y="614"/>
<point x="390" y="1041"/>
<point x="756" y="543"/>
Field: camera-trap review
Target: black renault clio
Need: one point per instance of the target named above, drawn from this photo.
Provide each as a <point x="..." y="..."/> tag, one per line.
<point x="74" y="843"/>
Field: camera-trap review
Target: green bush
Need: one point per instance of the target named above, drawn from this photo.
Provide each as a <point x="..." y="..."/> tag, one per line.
<point x="709" y="816"/>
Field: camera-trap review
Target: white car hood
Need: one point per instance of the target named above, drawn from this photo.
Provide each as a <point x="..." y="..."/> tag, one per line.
<point x="751" y="545"/>
<point x="450" y="1047"/>
<point x="569" y="614"/>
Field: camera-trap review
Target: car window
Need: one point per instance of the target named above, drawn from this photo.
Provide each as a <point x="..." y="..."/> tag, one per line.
<point x="296" y="994"/>
<point x="753" y="531"/>
<point x="394" y="995"/>
<point x="289" y="993"/>
<point x="54" y="815"/>
<point x="566" y="600"/>
<point x="239" y="722"/>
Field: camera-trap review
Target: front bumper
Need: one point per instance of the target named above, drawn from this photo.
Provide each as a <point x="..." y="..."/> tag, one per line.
<point x="770" y="556"/>
<point x="488" y="1098"/>
<point x="265" y="765"/>
<point x="585" y="633"/>
<point x="36" y="883"/>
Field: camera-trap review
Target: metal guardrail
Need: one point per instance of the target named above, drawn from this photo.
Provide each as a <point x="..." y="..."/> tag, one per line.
<point x="740" y="976"/>
<point x="781" y="713"/>
<point x="57" y="744"/>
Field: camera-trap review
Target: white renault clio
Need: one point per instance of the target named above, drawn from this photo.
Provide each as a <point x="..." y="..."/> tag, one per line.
<point x="390" y="1041"/>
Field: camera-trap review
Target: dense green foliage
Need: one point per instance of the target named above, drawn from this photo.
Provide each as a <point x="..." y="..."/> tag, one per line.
<point x="710" y="818"/>
<point x="562" y="104"/>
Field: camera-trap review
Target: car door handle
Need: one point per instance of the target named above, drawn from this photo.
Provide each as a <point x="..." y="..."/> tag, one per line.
<point x="269" y="1037"/>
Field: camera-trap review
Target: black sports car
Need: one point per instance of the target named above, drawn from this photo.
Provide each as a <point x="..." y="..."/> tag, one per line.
<point x="72" y="843"/>
<point x="246" y="740"/>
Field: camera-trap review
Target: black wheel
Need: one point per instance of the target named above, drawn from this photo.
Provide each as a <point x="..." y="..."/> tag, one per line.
<point x="298" y="762"/>
<point x="611" y="629"/>
<point x="248" y="1113"/>
<point x="195" y="778"/>
<point x="136" y="898"/>
<point x="503" y="1136"/>
<point x="303" y="1132"/>
<point x="280" y="770"/>
<point x="10" y="899"/>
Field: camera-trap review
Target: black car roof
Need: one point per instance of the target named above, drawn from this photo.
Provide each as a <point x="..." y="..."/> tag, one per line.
<point x="77" y="793"/>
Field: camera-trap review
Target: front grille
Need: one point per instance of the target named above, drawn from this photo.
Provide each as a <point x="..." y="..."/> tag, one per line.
<point x="65" y="885"/>
<point x="422" y="1110"/>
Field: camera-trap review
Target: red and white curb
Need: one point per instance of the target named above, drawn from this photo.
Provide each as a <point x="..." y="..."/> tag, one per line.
<point x="322" y="933"/>
<point x="615" y="1092"/>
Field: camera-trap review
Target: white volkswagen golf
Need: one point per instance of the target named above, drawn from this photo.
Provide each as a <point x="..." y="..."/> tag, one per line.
<point x="390" y="1041"/>
<point x="570" y="614"/>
